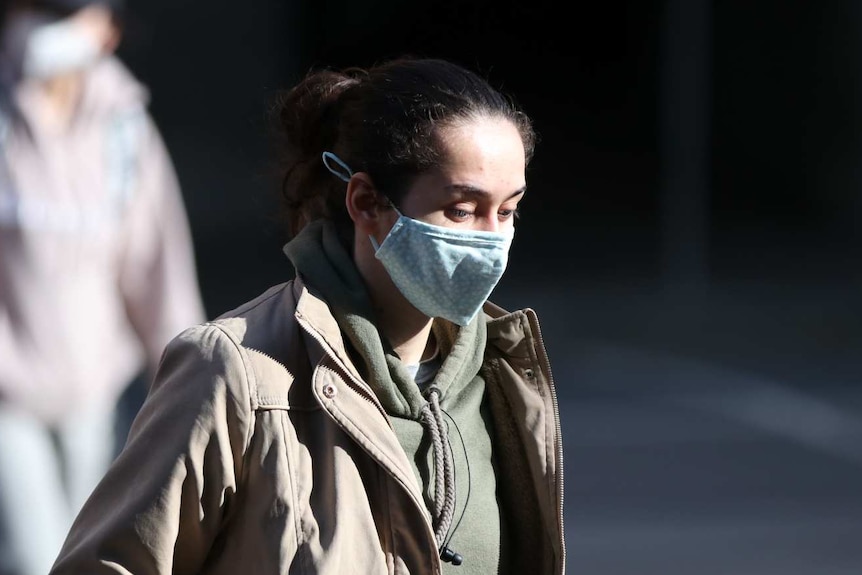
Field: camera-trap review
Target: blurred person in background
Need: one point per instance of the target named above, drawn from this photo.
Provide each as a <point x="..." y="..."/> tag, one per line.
<point x="375" y="414"/>
<point x="97" y="268"/>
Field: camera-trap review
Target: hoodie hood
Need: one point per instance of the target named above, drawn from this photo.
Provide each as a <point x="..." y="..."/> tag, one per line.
<point x="319" y="256"/>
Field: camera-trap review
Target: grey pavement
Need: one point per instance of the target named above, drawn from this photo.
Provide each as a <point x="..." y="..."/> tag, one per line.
<point x="715" y="436"/>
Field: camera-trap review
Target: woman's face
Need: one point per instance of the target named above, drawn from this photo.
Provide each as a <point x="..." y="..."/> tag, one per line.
<point x="480" y="184"/>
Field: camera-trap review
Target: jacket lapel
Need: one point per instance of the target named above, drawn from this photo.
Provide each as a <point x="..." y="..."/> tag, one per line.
<point x="342" y="393"/>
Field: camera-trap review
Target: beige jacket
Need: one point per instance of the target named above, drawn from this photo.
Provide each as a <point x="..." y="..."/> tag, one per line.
<point x="97" y="270"/>
<point x="261" y="450"/>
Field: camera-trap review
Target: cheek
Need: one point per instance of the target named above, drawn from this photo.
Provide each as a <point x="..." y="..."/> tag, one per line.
<point x="438" y="219"/>
<point x="387" y="220"/>
<point x="423" y="212"/>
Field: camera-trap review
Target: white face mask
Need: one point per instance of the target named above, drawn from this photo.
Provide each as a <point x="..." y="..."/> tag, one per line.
<point x="58" y="48"/>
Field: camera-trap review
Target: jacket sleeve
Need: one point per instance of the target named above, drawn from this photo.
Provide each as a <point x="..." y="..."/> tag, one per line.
<point x="164" y="500"/>
<point x="157" y="272"/>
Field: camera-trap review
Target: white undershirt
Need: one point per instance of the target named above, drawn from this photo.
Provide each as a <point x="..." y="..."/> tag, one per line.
<point x="424" y="372"/>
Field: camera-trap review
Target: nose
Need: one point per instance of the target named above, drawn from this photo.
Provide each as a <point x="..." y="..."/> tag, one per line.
<point x="496" y="224"/>
<point x="491" y="224"/>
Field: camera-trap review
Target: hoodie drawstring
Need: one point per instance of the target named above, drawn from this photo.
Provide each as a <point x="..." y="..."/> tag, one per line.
<point x="444" y="488"/>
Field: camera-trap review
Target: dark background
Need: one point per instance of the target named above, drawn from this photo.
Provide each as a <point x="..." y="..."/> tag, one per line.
<point x="690" y="241"/>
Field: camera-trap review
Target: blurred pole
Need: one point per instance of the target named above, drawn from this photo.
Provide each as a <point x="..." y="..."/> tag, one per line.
<point x="685" y="58"/>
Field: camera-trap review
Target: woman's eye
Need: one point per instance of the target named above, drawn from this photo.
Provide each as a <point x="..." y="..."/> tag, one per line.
<point x="458" y="213"/>
<point x="506" y="214"/>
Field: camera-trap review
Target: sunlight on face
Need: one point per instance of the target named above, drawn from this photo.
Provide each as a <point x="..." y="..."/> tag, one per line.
<point x="479" y="185"/>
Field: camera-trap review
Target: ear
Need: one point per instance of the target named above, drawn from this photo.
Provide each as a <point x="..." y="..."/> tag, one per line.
<point x="364" y="204"/>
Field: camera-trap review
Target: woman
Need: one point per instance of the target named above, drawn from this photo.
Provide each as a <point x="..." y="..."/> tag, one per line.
<point x="375" y="414"/>
<point x="97" y="268"/>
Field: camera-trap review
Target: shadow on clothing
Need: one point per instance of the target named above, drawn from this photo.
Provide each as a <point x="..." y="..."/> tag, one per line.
<point x="128" y="405"/>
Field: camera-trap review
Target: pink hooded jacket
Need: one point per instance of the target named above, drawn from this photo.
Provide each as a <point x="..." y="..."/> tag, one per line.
<point x="97" y="269"/>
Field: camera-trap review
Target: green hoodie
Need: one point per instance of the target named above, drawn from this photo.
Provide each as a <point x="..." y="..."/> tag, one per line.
<point x="321" y="259"/>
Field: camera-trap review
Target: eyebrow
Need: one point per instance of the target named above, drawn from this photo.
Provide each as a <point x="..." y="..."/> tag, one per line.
<point x="474" y="191"/>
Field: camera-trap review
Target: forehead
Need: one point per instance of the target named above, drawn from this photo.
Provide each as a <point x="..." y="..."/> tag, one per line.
<point x="484" y="153"/>
<point x="481" y="144"/>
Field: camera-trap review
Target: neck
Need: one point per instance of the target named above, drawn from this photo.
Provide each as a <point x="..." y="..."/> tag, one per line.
<point x="412" y="342"/>
<point x="58" y="98"/>
<point x="406" y="328"/>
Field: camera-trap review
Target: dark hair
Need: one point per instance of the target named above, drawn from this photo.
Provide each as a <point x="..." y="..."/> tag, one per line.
<point x="382" y="120"/>
<point x="64" y="8"/>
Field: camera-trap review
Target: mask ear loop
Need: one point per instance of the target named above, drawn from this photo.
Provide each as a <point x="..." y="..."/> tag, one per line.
<point x="389" y="203"/>
<point x="344" y="175"/>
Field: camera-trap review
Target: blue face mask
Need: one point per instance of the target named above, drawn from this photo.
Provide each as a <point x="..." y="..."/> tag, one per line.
<point x="444" y="272"/>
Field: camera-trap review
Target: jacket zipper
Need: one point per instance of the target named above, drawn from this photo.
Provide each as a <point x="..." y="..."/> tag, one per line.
<point x="558" y="440"/>
<point x="360" y="386"/>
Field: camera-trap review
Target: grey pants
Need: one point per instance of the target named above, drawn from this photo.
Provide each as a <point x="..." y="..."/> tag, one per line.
<point x="46" y="474"/>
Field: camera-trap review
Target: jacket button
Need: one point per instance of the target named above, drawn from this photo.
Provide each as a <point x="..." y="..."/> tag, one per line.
<point x="329" y="391"/>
